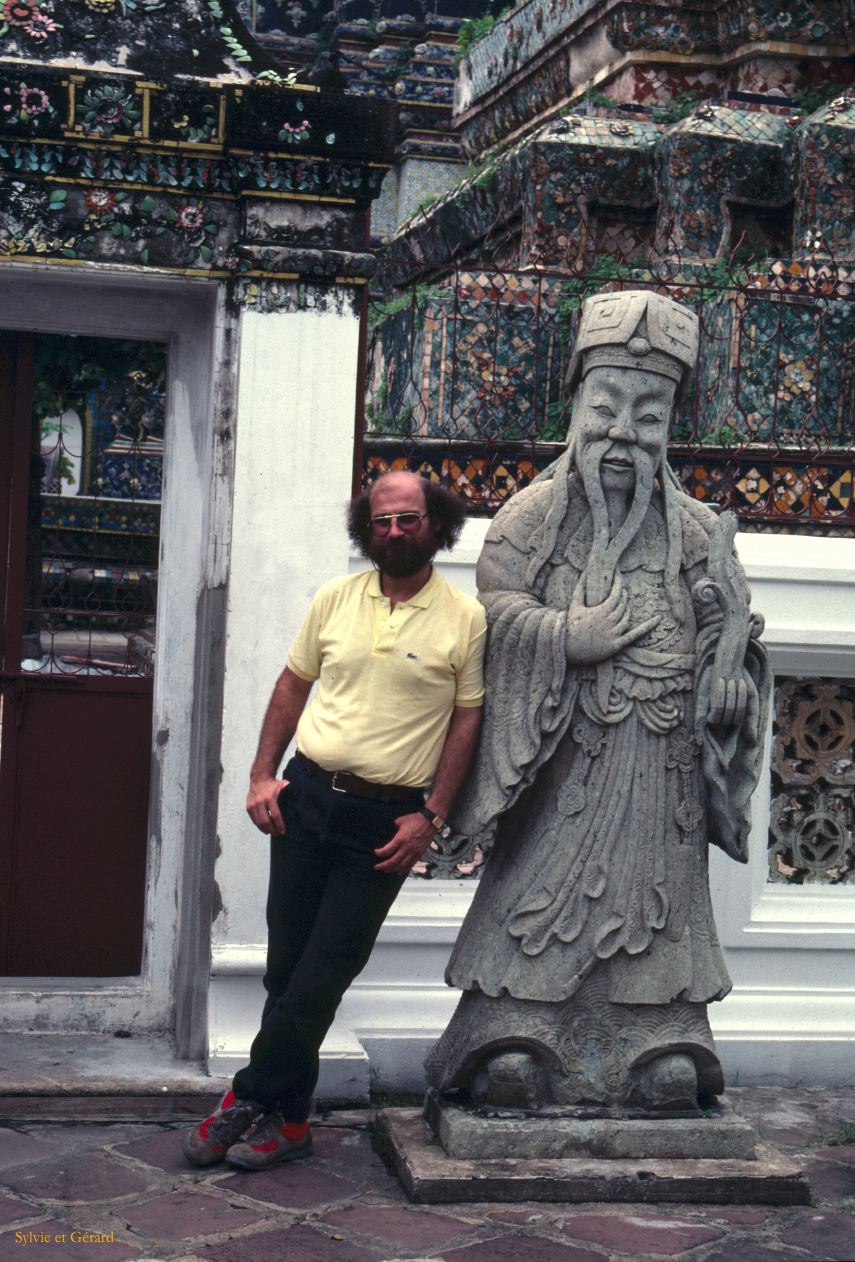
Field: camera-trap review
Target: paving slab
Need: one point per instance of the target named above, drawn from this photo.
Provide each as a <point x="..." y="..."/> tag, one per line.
<point x="89" y="1178"/>
<point x="637" y="1233"/>
<point x="184" y="1215"/>
<point x="412" y="1228"/>
<point x="828" y="1237"/>
<point x="750" y="1251"/>
<point x="14" y="1210"/>
<point x="18" y="1148"/>
<point x="523" y="1249"/>
<point x="838" y="1152"/>
<point x="830" y="1179"/>
<point x="430" y="1176"/>
<point x="162" y="1150"/>
<point x="297" y="1243"/>
<point x="303" y="1186"/>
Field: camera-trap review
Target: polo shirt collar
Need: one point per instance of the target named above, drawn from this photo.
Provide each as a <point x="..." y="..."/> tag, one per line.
<point x="422" y="598"/>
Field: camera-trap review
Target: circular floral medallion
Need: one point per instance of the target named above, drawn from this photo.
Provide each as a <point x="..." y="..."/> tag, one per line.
<point x="190" y="218"/>
<point x="19" y="12"/>
<point x="33" y="100"/>
<point x="108" y="108"/>
<point x="40" y="26"/>
<point x="100" y="200"/>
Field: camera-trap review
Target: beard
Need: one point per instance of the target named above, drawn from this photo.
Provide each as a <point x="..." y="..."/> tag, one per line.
<point x="607" y="550"/>
<point x="401" y="557"/>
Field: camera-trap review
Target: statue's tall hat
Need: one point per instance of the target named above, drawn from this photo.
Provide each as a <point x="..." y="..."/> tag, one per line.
<point x="636" y="328"/>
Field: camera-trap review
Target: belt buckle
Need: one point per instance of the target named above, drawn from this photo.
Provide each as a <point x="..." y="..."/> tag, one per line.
<point x="333" y="785"/>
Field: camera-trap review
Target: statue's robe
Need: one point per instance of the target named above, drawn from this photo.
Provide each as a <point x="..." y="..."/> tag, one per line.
<point x="590" y="941"/>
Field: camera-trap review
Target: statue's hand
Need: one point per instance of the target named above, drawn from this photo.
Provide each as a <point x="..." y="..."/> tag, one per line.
<point x="597" y="632"/>
<point x="728" y="701"/>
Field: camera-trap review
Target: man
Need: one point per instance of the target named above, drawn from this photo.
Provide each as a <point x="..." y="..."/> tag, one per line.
<point x="397" y="654"/>
<point x="625" y="703"/>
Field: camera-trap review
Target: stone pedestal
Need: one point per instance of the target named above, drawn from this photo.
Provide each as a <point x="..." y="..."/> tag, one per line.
<point x="477" y="1134"/>
<point x="573" y="1158"/>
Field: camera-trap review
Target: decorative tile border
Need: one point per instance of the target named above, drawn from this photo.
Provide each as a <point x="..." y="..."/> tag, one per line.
<point x="766" y="492"/>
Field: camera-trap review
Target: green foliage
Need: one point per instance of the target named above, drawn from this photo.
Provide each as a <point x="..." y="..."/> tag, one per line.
<point x="605" y="268"/>
<point x="724" y="436"/>
<point x="678" y="108"/>
<point x="845" y="1135"/>
<point x="600" y="100"/>
<point x="809" y="100"/>
<point x="67" y="368"/>
<point x="471" y="30"/>
<point x="681" y="432"/>
<point x="415" y="300"/>
<point x="556" y="422"/>
<point x="715" y="279"/>
<point x="278" y="80"/>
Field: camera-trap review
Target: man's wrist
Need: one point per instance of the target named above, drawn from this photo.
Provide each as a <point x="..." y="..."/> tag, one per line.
<point x="436" y="820"/>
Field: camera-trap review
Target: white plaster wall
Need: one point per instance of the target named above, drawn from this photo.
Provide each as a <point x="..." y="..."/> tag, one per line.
<point x="791" y="1016"/>
<point x="293" y="470"/>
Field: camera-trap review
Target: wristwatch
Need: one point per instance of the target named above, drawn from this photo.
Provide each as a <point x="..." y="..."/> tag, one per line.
<point x="436" y="821"/>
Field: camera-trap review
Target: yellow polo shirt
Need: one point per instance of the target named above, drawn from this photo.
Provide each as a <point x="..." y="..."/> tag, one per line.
<point x="387" y="681"/>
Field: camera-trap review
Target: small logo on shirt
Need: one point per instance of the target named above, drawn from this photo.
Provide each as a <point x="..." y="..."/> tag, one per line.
<point x="414" y="657"/>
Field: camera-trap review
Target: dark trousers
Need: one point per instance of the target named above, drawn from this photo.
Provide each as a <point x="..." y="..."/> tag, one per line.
<point x="325" y="907"/>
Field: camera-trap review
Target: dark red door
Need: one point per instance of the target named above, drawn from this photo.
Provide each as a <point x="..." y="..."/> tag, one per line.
<point x="80" y="458"/>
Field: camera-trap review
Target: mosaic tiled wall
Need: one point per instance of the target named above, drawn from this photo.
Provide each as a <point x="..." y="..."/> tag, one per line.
<point x="481" y="359"/>
<point x="469" y="375"/>
<point x="406" y="188"/>
<point x="812" y="832"/>
<point x="420" y="181"/>
<point x="777" y="371"/>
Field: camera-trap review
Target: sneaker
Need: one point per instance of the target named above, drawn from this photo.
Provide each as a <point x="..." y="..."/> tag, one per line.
<point x="272" y="1140"/>
<point x="210" y="1141"/>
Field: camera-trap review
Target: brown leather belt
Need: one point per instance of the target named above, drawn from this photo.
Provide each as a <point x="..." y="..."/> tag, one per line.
<point x="348" y="782"/>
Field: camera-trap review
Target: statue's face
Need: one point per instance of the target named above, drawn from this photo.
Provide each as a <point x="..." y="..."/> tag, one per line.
<point x="629" y="410"/>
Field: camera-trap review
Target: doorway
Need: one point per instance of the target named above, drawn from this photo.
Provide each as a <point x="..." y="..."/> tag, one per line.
<point x="81" y="459"/>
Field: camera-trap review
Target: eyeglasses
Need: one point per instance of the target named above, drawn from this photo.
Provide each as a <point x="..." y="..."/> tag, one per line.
<point x="408" y="522"/>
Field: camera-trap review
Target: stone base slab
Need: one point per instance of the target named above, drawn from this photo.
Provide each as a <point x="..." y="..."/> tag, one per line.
<point x="477" y="1135"/>
<point x="430" y="1177"/>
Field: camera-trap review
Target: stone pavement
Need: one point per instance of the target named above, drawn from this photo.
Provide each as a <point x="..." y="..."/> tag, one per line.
<point x="108" y="1192"/>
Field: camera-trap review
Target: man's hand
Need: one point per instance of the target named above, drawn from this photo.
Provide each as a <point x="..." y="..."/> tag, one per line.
<point x="597" y="632"/>
<point x="414" y="835"/>
<point x="262" y="805"/>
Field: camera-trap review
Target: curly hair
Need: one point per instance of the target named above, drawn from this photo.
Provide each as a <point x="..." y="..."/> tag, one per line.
<point x="447" y="513"/>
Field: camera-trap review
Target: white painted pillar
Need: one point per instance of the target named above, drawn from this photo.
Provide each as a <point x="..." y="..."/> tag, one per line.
<point x="297" y="372"/>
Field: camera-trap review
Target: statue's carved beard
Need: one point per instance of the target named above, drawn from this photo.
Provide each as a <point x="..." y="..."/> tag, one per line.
<point x="606" y="551"/>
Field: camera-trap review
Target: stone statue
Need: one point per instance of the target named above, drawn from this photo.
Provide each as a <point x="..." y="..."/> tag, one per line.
<point x="626" y="704"/>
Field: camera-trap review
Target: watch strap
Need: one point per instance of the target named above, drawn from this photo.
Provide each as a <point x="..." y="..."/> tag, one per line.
<point x="436" y="820"/>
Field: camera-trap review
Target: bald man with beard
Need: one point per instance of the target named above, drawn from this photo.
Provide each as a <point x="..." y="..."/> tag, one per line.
<point x="624" y="716"/>
<point x="383" y="745"/>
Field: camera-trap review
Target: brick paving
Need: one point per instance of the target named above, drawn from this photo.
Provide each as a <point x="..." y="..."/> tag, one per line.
<point x="106" y="1193"/>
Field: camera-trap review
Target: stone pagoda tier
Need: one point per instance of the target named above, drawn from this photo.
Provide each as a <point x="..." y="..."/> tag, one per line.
<point x="141" y="138"/>
<point x="730" y="189"/>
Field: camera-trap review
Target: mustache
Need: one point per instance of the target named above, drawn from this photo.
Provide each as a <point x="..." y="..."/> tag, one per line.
<point x="606" y="553"/>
